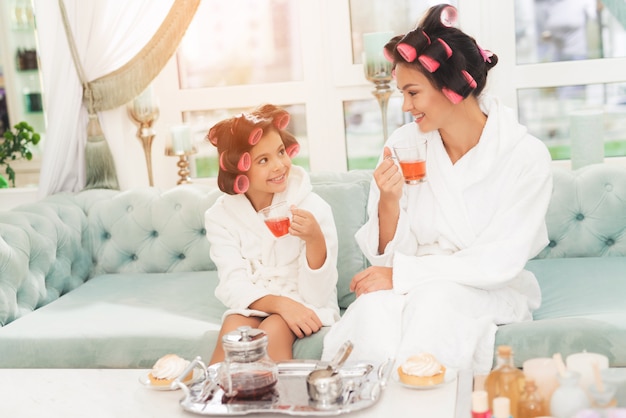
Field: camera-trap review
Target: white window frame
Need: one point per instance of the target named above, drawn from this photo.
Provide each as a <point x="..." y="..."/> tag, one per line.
<point x="330" y="77"/>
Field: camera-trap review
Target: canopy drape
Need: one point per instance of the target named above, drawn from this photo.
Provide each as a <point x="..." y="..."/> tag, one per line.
<point x="121" y="46"/>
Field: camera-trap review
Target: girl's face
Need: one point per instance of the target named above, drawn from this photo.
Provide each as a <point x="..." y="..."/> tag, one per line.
<point x="269" y="171"/>
<point x="428" y="105"/>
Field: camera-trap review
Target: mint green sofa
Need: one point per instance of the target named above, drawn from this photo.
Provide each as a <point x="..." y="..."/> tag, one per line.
<point x="108" y="279"/>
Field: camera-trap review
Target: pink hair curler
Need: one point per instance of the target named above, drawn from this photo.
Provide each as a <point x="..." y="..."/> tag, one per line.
<point x="293" y="150"/>
<point x="449" y="16"/>
<point x="429" y="63"/>
<point x="222" y="162"/>
<point x="241" y="184"/>
<point x="211" y="137"/>
<point x="454" y="97"/>
<point x="387" y="55"/>
<point x="427" y="37"/>
<point x="407" y="51"/>
<point x="282" y="121"/>
<point x="245" y="161"/>
<point x="255" y="136"/>
<point x="470" y="80"/>
<point x="485" y="54"/>
<point x="446" y="47"/>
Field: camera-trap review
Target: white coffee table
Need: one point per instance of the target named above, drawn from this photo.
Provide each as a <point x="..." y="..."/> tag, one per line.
<point x="117" y="393"/>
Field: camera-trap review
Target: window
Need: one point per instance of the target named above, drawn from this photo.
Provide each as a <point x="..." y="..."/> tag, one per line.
<point x="562" y="43"/>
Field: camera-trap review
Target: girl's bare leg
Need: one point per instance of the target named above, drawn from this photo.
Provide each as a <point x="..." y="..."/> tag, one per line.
<point x="231" y="323"/>
<point x="280" y="338"/>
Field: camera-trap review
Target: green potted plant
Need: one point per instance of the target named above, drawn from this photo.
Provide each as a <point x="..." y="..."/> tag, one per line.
<point x="16" y="144"/>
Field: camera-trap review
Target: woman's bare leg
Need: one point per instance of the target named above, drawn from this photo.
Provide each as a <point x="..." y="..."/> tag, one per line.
<point x="231" y="323"/>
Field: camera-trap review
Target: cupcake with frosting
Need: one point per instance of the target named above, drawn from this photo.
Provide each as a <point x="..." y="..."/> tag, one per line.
<point x="422" y="369"/>
<point x="167" y="369"/>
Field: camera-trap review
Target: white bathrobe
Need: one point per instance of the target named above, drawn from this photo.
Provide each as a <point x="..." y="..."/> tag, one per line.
<point x="458" y="255"/>
<point x="253" y="263"/>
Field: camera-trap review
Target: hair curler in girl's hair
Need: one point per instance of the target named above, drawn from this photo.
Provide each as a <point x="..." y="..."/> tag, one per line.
<point x="281" y="121"/>
<point x="221" y="159"/>
<point x="245" y="161"/>
<point x="212" y="137"/>
<point x="293" y="150"/>
<point x="241" y="184"/>
<point x="255" y="136"/>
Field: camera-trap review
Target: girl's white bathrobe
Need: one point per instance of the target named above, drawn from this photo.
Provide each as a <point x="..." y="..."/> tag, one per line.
<point x="252" y="263"/>
<point x="458" y="255"/>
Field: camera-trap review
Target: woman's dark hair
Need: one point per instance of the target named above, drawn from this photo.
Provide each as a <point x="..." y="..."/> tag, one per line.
<point x="451" y="59"/>
<point x="235" y="137"/>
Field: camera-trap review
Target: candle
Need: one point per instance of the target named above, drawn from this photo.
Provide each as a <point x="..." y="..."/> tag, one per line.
<point x="374" y="62"/>
<point x="583" y="364"/>
<point x="181" y="139"/>
<point x="544" y="371"/>
<point x="145" y="103"/>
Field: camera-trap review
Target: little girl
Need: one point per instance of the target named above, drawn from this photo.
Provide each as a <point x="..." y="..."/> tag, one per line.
<point x="285" y="286"/>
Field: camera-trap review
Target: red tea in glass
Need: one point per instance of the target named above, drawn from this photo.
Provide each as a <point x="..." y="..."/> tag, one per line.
<point x="411" y="155"/>
<point x="277" y="217"/>
<point x="413" y="171"/>
<point x="278" y="226"/>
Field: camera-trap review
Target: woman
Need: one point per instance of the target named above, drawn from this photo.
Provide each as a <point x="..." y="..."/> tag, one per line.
<point x="448" y="254"/>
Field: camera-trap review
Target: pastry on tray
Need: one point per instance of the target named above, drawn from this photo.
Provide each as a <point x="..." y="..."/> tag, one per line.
<point x="422" y="369"/>
<point x="167" y="369"/>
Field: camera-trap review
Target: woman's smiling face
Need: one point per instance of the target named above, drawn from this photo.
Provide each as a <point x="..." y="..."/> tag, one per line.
<point x="269" y="171"/>
<point x="428" y="105"/>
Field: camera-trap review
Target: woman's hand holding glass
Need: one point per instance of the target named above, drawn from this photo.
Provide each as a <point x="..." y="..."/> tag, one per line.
<point x="389" y="178"/>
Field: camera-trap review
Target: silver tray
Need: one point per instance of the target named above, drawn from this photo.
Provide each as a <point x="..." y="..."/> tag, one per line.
<point x="362" y="389"/>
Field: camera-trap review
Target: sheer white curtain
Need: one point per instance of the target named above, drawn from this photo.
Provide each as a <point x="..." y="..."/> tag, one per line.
<point x="107" y="35"/>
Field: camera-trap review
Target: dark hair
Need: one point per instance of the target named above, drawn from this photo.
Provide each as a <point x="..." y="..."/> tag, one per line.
<point x="235" y="137"/>
<point x="450" y="59"/>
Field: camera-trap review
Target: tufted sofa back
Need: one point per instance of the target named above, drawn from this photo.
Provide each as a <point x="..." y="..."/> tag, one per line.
<point x="51" y="247"/>
<point x="587" y="213"/>
<point x="147" y="230"/>
<point x="42" y="251"/>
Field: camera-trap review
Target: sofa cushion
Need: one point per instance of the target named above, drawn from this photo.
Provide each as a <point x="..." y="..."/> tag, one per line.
<point x="347" y="195"/>
<point x="118" y="321"/>
<point x="582" y="309"/>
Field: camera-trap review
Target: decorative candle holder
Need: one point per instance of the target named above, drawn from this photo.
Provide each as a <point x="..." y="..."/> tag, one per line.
<point x="181" y="146"/>
<point x="378" y="70"/>
<point x="144" y="111"/>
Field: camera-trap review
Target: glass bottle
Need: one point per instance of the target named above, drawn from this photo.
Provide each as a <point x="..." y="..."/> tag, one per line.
<point x="531" y="403"/>
<point x="569" y="398"/>
<point x="247" y="371"/>
<point x="505" y="380"/>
